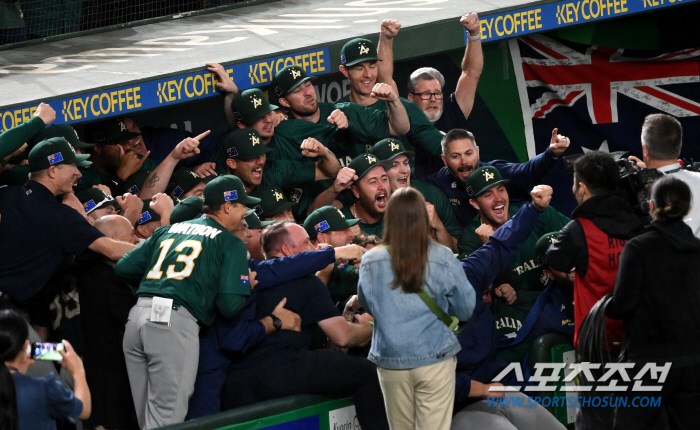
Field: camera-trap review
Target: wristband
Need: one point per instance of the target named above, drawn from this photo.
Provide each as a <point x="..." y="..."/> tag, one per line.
<point x="371" y="323"/>
<point x="477" y="36"/>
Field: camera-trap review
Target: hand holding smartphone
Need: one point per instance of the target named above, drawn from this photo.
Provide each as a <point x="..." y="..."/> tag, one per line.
<point x="47" y="351"/>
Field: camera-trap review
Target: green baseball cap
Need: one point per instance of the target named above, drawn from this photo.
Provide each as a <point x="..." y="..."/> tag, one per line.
<point x="254" y="222"/>
<point x="62" y="130"/>
<point x="271" y="201"/>
<point x="245" y="144"/>
<point x="287" y="79"/>
<point x="363" y="163"/>
<point x="357" y="51"/>
<point x="482" y="179"/>
<point x="183" y="180"/>
<point x="227" y="188"/>
<point x="388" y="149"/>
<point x="542" y="246"/>
<point x="95" y="198"/>
<point x="108" y="132"/>
<point x="148" y="214"/>
<point x="188" y="209"/>
<point x="251" y="105"/>
<point x="54" y="151"/>
<point x="325" y="219"/>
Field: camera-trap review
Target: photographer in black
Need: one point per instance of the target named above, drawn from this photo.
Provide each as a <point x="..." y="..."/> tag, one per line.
<point x="592" y="243"/>
<point x="657" y="297"/>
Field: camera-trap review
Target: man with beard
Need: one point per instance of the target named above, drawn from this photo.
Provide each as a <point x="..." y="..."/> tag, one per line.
<point x="371" y="189"/>
<point x="489" y="196"/>
<point x="445" y="227"/>
<point x="360" y="126"/>
<point x="460" y="154"/>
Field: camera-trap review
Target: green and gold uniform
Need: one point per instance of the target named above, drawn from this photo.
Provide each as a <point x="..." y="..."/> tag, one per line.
<point x="199" y="264"/>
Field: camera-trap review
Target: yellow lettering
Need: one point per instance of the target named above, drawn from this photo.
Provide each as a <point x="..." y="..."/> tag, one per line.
<point x="305" y="61"/>
<point x="297" y="60"/>
<point x="289" y="61"/>
<point x="121" y="98"/>
<point x="312" y="62"/>
<point x="623" y="5"/>
<point x="505" y="20"/>
<point x="199" y="91"/>
<point x="537" y="18"/>
<point x="207" y="82"/>
<point x="178" y="85"/>
<point x="516" y="21"/>
<point x="171" y="90"/>
<point x="569" y="12"/>
<point x="485" y="28"/>
<point x="129" y="98"/>
<point x="189" y="93"/>
<point x="137" y="97"/>
<point x="4" y="121"/>
<point x="95" y="112"/>
<point x="500" y="33"/>
<point x="113" y="100"/>
<point x="76" y="108"/>
<point x="560" y="14"/>
<point x="33" y="109"/>
<point x="319" y="56"/>
<point x="25" y="115"/>
<point x="583" y="9"/>
<point x="18" y="112"/>
<point x="530" y="20"/>
<point x="576" y="6"/>
<point x="103" y="109"/>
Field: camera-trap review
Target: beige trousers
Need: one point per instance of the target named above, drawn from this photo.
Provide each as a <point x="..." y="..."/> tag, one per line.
<point x="420" y="398"/>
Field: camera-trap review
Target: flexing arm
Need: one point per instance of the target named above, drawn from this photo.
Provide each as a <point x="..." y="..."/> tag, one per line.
<point x="492" y="258"/>
<point x="346" y="176"/>
<point x="385" y="51"/>
<point x="472" y="65"/>
<point x="398" y="117"/>
<point x="327" y="166"/>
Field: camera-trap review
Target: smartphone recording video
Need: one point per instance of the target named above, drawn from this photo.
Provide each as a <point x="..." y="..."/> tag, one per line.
<point x="47" y="351"/>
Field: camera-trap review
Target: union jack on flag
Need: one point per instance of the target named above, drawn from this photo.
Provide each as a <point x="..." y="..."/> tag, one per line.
<point x="230" y="195"/>
<point x="599" y="96"/>
<point x="55" y="158"/>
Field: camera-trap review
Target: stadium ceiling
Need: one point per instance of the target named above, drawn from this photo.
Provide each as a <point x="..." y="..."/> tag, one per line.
<point x="141" y="67"/>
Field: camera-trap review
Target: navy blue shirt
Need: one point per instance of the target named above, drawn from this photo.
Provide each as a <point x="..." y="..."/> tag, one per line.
<point x="228" y="339"/>
<point x="523" y="177"/>
<point x="40" y="401"/>
<point x="162" y="140"/>
<point x="36" y="233"/>
<point x="478" y="360"/>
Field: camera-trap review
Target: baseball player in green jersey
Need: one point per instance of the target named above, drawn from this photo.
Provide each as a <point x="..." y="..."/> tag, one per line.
<point x="187" y="271"/>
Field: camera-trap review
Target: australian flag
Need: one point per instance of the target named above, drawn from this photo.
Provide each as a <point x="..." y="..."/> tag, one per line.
<point x="245" y="280"/>
<point x="230" y="195"/>
<point x="134" y="190"/>
<point x="232" y="152"/>
<point x="89" y="205"/>
<point x="144" y="217"/>
<point x="55" y="158"/>
<point x="322" y="226"/>
<point x="599" y="96"/>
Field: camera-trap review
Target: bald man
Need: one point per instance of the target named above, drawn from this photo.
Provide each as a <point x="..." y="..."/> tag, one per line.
<point x="118" y="228"/>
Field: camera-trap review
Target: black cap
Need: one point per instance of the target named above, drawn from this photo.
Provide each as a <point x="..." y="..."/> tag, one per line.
<point x="251" y="105"/>
<point x="108" y="132"/>
<point x="95" y="198"/>
<point x="183" y="180"/>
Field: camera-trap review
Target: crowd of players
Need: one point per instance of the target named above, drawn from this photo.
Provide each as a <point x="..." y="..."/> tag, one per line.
<point x="195" y="274"/>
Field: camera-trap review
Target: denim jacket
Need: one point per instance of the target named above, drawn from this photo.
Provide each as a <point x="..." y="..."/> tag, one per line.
<point x="407" y="334"/>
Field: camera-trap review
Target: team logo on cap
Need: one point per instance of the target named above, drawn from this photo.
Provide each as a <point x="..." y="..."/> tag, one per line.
<point x="254" y="139"/>
<point x="122" y="126"/>
<point x="144" y="218"/>
<point x="278" y="91"/>
<point x="55" y="158"/>
<point x="322" y="226"/>
<point x="89" y="205"/>
<point x="393" y="146"/>
<point x="230" y="195"/>
<point x="278" y="196"/>
<point x="256" y="102"/>
<point x="232" y="152"/>
<point x="177" y="192"/>
<point x="258" y="210"/>
<point x="342" y="59"/>
<point x="470" y="191"/>
<point x="371" y="158"/>
<point x="134" y="190"/>
<point x="238" y="116"/>
<point x="295" y="73"/>
<point x="341" y="214"/>
<point x="363" y="49"/>
<point x="245" y="280"/>
<point x="295" y="194"/>
<point x="488" y="175"/>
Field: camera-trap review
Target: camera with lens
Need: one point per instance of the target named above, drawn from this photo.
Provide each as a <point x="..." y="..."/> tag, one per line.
<point x="637" y="184"/>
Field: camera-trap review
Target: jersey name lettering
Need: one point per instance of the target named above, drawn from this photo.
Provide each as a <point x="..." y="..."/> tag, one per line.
<point x="200" y="230"/>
